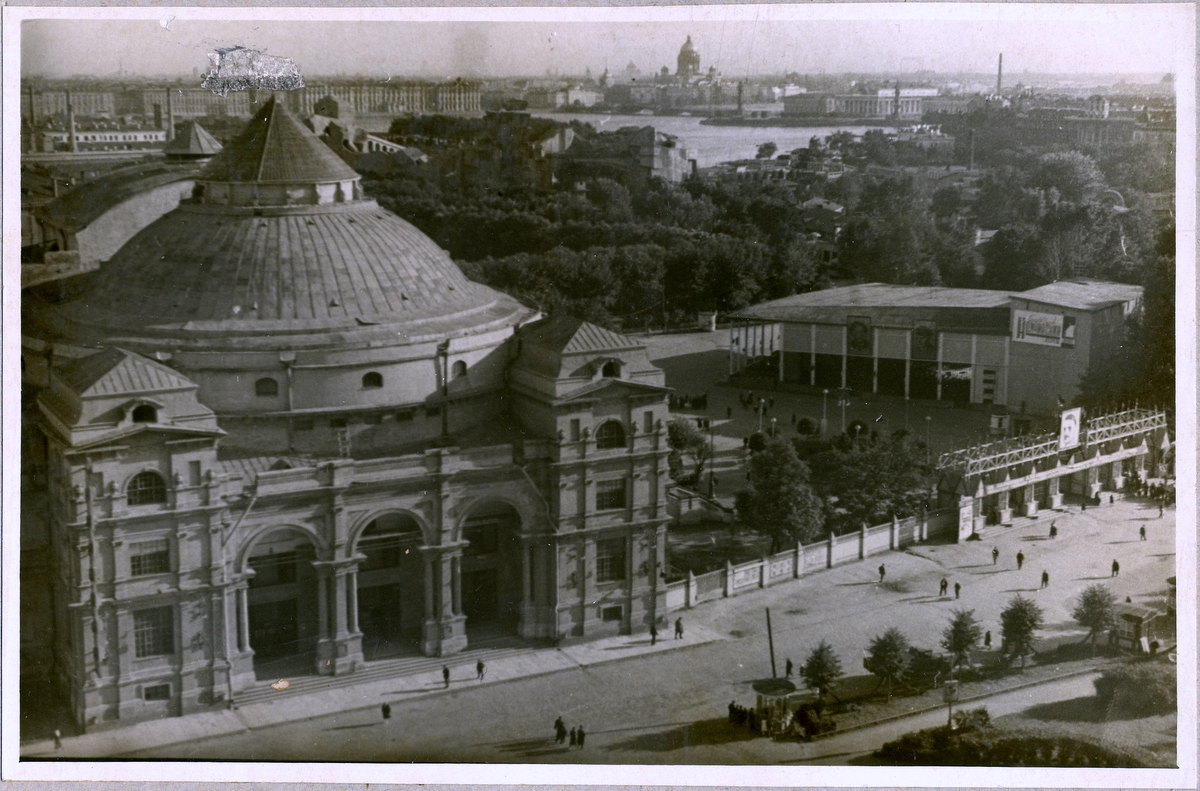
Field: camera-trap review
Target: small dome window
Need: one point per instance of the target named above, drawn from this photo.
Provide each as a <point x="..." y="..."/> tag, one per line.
<point x="372" y="380"/>
<point x="611" y="370"/>
<point x="147" y="488"/>
<point x="145" y="413"/>
<point x="459" y="369"/>
<point x="610" y="435"/>
<point x="266" y="387"/>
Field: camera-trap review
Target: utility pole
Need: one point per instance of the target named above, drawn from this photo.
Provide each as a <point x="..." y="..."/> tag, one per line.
<point x="771" y="644"/>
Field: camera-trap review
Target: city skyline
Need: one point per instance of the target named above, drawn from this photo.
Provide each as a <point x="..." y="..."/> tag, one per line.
<point x="1126" y="41"/>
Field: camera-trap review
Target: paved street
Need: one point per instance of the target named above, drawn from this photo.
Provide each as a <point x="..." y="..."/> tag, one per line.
<point x="637" y="709"/>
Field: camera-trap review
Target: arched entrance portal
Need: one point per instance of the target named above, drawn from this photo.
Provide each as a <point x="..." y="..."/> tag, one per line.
<point x="491" y="570"/>
<point x="282" y="604"/>
<point x="391" y="591"/>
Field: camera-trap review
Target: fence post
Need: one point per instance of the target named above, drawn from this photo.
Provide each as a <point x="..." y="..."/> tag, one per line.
<point x="689" y="598"/>
<point x="799" y="560"/>
<point x="764" y="571"/>
<point x="829" y="551"/>
<point x="728" y="579"/>
<point x="894" y="543"/>
<point x="862" y="540"/>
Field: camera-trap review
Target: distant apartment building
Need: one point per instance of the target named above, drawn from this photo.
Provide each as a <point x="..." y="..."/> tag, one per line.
<point x="882" y="103"/>
<point x="39" y="105"/>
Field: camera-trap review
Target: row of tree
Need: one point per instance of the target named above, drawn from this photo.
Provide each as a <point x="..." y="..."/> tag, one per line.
<point x="889" y="656"/>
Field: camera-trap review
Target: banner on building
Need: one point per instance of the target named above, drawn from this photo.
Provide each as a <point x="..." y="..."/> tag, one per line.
<point x="1042" y="329"/>
<point x="1068" y="431"/>
<point x="952" y="374"/>
<point x="924" y="341"/>
<point x="859" y="338"/>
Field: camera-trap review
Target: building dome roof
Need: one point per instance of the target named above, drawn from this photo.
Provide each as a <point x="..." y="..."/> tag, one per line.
<point x="309" y="272"/>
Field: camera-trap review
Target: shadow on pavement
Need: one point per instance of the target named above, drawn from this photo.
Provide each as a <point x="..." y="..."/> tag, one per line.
<point x="702" y="733"/>
<point x="1086" y="709"/>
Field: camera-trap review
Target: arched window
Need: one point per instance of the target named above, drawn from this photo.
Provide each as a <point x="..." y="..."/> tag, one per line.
<point x="372" y="380"/>
<point x="147" y="488"/>
<point x="610" y="435"/>
<point x="145" y="413"/>
<point x="611" y="370"/>
<point x="266" y="387"/>
<point x="459" y="369"/>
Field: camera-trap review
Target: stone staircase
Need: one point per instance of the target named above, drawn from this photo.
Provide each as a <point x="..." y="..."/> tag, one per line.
<point x="488" y="650"/>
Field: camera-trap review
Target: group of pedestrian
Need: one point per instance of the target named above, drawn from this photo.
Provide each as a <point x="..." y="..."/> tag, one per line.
<point x="575" y="735"/>
<point x="944" y="585"/>
<point x="689" y="402"/>
<point x="740" y="715"/>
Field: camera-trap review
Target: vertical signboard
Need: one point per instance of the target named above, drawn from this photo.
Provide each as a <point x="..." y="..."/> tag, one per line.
<point x="1069" y="427"/>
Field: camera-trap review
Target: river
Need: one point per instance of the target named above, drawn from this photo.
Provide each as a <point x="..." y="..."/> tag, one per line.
<point x="711" y="145"/>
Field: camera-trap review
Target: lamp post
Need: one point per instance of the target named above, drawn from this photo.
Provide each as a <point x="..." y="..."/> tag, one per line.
<point x="762" y="409"/>
<point x="950" y="694"/>
<point x="824" y="412"/>
<point x="774" y="431"/>
<point x="845" y="403"/>
<point x="928" y="451"/>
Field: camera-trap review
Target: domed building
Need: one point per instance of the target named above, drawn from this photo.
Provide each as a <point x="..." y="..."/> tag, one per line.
<point x="282" y="433"/>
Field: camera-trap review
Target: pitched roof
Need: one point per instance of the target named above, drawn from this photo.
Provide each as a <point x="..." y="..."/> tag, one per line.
<point x="193" y="140"/>
<point x="1083" y="294"/>
<point x="610" y="388"/>
<point x="569" y="335"/>
<point x="118" y="372"/>
<point x="277" y="147"/>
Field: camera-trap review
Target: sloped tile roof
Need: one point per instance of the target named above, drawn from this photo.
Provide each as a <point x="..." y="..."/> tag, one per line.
<point x="569" y="335"/>
<point x="277" y="147"/>
<point x="118" y="372"/>
<point x="193" y="140"/>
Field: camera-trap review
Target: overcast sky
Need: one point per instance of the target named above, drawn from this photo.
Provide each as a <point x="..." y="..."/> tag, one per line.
<point x="1127" y="39"/>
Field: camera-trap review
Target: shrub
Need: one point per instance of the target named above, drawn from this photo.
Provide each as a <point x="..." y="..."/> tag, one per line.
<point x="1141" y="689"/>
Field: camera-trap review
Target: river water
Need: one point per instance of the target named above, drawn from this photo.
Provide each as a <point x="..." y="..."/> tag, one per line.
<point x="711" y="145"/>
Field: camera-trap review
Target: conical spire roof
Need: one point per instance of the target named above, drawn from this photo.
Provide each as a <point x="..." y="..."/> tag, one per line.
<point x="193" y="141"/>
<point x="276" y="147"/>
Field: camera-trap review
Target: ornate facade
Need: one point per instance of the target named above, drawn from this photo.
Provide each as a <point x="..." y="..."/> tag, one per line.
<point x="281" y="432"/>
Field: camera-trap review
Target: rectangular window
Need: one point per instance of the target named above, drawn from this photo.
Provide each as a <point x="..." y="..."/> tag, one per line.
<point x="193" y="473"/>
<point x="610" y="494"/>
<point x="610" y="614"/>
<point x="157" y="692"/>
<point x="154" y="632"/>
<point x="303" y="424"/>
<point x="149" y="557"/>
<point x="648" y="422"/>
<point x="574" y="429"/>
<point x="406" y="414"/>
<point x="610" y="560"/>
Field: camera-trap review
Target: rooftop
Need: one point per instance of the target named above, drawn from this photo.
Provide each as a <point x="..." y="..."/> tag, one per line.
<point x="192" y="141"/>
<point x="879" y="295"/>
<point x="1084" y="294"/>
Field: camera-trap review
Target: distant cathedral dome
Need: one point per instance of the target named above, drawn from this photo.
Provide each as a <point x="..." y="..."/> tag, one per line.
<point x="688" y="64"/>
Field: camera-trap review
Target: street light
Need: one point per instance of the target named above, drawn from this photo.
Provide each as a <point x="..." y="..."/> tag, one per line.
<point x="845" y="402"/>
<point x="762" y="409"/>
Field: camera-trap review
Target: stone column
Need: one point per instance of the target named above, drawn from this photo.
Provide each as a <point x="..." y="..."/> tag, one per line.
<point x="764" y="572"/>
<point x="1056" y="498"/>
<point x="1092" y="481"/>
<point x="829" y="551"/>
<point x="689" y="600"/>
<point x="894" y="535"/>
<point x="243" y="618"/>
<point x="1117" y="476"/>
<point x="728" y="579"/>
<point x="445" y="628"/>
<point x="1030" y="507"/>
<point x="325" y="646"/>
<point x="924" y="525"/>
<point x="1004" y="507"/>
<point x="352" y="594"/>
<point x="862" y="541"/>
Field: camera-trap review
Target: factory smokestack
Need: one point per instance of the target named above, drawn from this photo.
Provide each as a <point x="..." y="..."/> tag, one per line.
<point x="999" y="73"/>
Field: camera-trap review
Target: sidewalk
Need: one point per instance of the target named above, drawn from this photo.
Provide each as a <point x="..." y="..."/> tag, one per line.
<point x="293" y="708"/>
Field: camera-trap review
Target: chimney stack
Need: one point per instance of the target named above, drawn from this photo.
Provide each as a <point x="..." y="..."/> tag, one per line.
<point x="999" y="73"/>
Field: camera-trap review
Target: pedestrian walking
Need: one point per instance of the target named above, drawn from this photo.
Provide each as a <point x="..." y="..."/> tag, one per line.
<point x="1020" y="560"/>
<point x="1045" y="579"/>
<point x="57" y="739"/>
<point x="678" y="628"/>
<point x="1053" y="530"/>
<point x="1083" y="506"/>
<point x="1116" y="569"/>
<point x="480" y="669"/>
<point x="560" y="731"/>
<point x="788" y="669"/>
<point x="446" y="675"/>
<point x="574" y="738"/>
<point x="1160" y="510"/>
<point x="995" y="555"/>
<point x="1111" y="500"/>
<point x="1142" y="532"/>
<point x="387" y="711"/>
<point x="653" y="634"/>
<point x="987" y="640"/>
<point x="581" y="735"/>
<point x="882" y="572"/>
<point x="942" y="587"/>
<point x="957" y="589"/>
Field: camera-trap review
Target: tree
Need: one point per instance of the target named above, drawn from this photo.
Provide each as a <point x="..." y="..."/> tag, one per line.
<point x="1095" y="611"/>
<point x="961" y="636"/>
<point x="821" y="670"/>
<point x="685" y="439"/>
<point x="864" y="482"/>
<point x="1072" y="174"/>
<point x="1018" y="621"/>
<point x="780" y="503"/>
<point x="766" y="150"/>
<point x="887" y="656"/>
